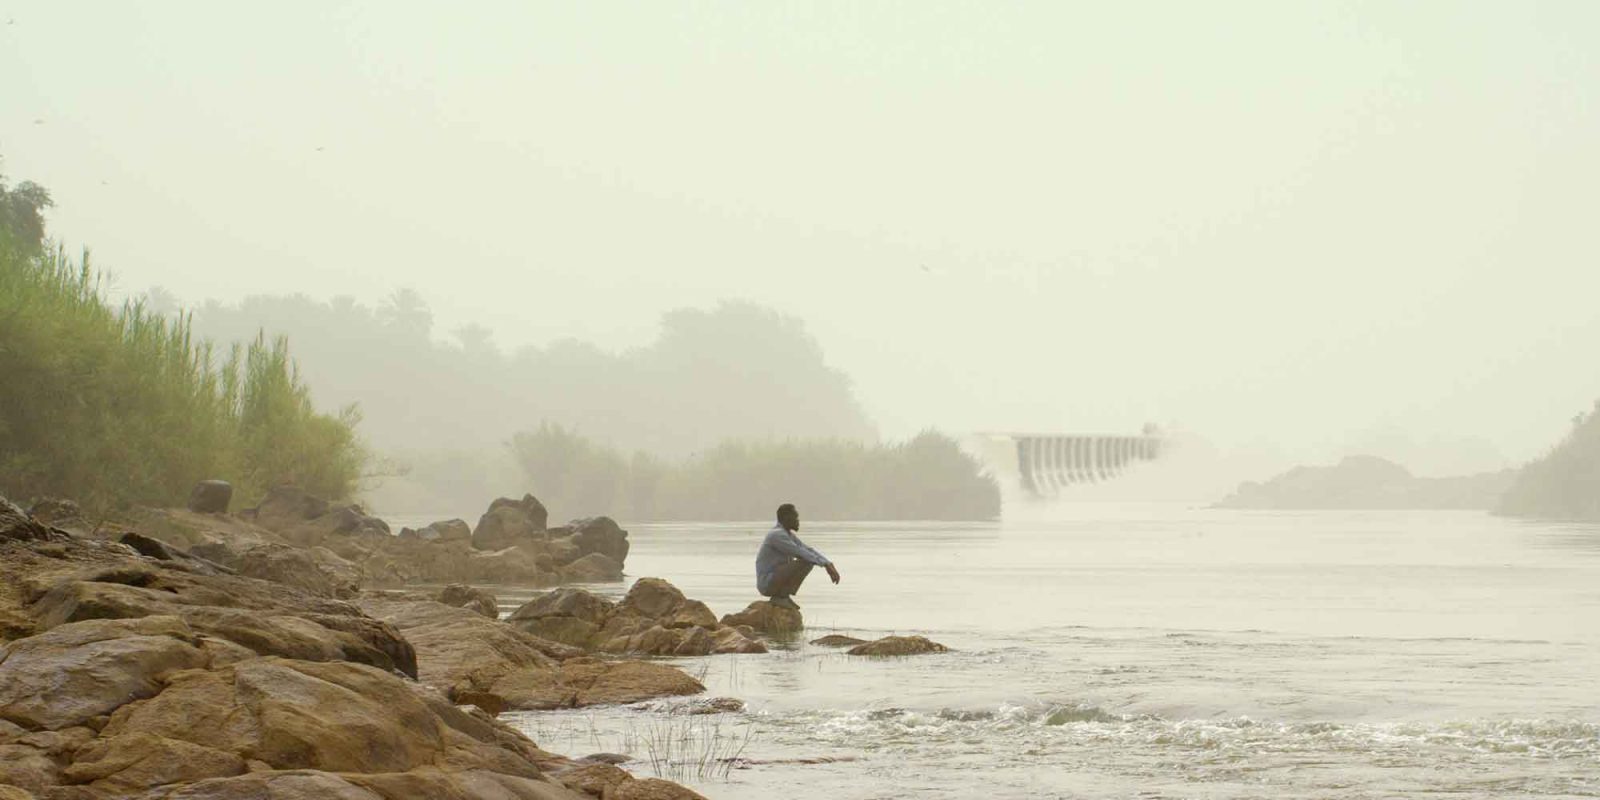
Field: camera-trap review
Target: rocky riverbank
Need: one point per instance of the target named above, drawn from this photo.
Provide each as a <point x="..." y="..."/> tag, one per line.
<point x="223" y="657"/>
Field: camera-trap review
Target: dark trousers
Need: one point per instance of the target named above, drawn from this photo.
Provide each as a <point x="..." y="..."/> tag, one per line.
<point x="786" y="579"/>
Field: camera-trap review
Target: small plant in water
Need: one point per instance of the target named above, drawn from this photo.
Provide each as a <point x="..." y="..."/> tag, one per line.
<point x="680" y="749"/>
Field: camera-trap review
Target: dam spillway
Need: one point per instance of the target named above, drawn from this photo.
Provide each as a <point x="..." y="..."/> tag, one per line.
<point x="1047" y="464"/>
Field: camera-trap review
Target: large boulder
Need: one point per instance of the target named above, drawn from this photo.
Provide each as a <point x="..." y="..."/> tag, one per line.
<point x="767" y="618"/>
<point x="73" y="673"/>
<point x="654" y="618"/>
<point x="211" y="497"/>
<point x="592" y="568"/>
<point x="287" y="507"/>
<point x="509" y="522"/>
<point x="600" y="535"/>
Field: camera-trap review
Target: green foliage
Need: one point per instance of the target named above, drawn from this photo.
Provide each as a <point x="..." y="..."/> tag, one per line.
<point x="928" y="477"/>
<point x="122" y="406"/>
<point x="1565" y="484"/>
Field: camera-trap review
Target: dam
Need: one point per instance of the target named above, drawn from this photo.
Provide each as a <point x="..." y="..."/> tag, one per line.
<point x="1043" y="465"/>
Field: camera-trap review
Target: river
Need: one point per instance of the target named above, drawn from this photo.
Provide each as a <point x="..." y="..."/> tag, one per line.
<point x="1142" y="651"/>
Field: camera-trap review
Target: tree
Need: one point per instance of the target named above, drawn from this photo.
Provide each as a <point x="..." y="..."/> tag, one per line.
<point x="22" y="213"/>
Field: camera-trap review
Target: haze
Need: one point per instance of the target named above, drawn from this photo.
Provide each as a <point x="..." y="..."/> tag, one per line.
<point x="1300" y="229"/>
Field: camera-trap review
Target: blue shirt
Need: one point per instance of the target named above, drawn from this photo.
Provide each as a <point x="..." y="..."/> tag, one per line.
<point x="777" y="549"/>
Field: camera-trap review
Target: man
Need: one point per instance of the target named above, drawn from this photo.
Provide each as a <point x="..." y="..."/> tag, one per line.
<point x="784" y="561"/>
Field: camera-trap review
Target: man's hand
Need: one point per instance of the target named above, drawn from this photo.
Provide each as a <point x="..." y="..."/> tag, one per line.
<point x="833" y="572"/>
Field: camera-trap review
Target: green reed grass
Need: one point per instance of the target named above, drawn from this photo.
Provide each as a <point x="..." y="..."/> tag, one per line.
<point x="116" y="406"/>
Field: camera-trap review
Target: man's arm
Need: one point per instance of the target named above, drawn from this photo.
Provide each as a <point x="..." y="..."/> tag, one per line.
<point x="791" y="546"/>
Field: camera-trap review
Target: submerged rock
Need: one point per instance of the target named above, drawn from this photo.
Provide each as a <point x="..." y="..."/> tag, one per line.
<point x="898" y="646"/>
<point x="764" y="617"/>
<point x="837" y="640"/>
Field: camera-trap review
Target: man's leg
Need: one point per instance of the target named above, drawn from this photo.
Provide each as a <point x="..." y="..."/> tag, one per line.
<point x="786" y="579"/>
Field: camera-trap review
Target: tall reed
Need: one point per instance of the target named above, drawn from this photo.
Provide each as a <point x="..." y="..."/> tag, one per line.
<point x="116" y="406"/>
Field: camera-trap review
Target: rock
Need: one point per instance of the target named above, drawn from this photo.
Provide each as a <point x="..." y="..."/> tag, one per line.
<point x="15" y="792"/>
<point x="589" y="682"/>
<point x="18" y="526"/>
<point x="478" y="600"/>
<point x="653" y="619"/>
<point x="211" y="497"/>
<point x="592" y="568"/>
<point x="444" y="531"/>
<point x="266" y="617"/>
<point x="653" y="598"/>
<point x="315" y="570"/>
<point x="767" y="618"/>
<point x="654" y="789"/>
<point x="59" y="513"/>
<point x="836" y="640"/>
<point x="508" y="522"/>
<point x="286" y="507"/>
<point x="600" y="535"/>
<point x="897" y="646"/>
<point x="597" y="780"/>
<point x="72" y="673"/>
<point x="128" y="764"/>
<point x="160" y="551"/>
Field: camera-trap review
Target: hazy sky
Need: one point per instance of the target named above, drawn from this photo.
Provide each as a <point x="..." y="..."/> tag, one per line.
<point x="1282" y="225"/>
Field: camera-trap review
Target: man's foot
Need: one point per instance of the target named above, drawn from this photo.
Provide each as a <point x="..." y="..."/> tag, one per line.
<point x="784" y="602"/>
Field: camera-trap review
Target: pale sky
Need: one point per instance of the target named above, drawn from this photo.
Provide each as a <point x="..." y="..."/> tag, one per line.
<point x="1291" y="226"/>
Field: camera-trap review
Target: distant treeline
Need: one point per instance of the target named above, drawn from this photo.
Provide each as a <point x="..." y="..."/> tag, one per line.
<point x="736" y="371"/>
<point x="927" y="477"/>
<point x="116" y="406"/>
<point x="1564" y="484"/>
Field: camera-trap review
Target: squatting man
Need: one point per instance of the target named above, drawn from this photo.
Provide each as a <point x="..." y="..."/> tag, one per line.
<point x="784" y="561"/>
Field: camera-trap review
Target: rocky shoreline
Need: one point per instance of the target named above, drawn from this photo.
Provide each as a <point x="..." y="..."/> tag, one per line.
<point x="276" y="653"/>
<point x="248" y="656"/>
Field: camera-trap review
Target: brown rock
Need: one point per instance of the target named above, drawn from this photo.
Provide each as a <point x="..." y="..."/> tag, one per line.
<point x="566" y="602"/>
<point x="653" y="598"/>
<point x="211" y="497"/>
<point x="72" y="673"/>
<point x="477" y="600"/>
<point x="898" y="646"/>
<point x="125" y="765"/>
<point x="593" y="568"/>
<point x="315" y="570"/>
<point x="836" y="640"/>
<point x="600" y="535"/>
<point x="508" y="522"/>
<point x="654" y="789"/>
<point x="589" y="682"/>
<point x="290" y="785"/>
<point x="767" y="618"/>
<point x="596" y="780"/>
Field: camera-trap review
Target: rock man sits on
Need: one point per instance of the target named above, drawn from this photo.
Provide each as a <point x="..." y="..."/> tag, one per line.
<point x="784" y="561"/>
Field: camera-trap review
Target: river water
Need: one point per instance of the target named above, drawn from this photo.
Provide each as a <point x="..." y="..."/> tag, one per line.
<point x="1138" y="651"/>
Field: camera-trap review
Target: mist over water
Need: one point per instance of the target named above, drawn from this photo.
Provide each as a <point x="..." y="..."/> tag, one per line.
<point x="1122" y="650"/>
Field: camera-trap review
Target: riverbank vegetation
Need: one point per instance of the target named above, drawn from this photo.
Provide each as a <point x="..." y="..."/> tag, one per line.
<point x="926" y="477"/>
<point x="115" y="405"/>
<point x="1565" y="483"/>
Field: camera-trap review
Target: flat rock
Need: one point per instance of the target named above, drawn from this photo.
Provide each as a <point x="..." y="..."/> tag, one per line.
<point x="898" y="646"/>
<point x="837" y="640"/>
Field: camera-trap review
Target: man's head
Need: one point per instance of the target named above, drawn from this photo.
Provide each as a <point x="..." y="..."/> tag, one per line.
<point x="788" y="517"/>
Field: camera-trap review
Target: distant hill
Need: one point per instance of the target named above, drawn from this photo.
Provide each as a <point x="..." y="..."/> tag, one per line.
<point x="1565" y="484"/>
<point x="1369" y="482"/>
